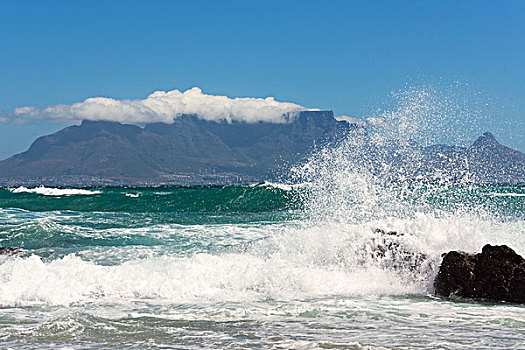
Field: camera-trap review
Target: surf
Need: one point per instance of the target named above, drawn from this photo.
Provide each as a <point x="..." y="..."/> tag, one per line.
<point x="342" y="243"/>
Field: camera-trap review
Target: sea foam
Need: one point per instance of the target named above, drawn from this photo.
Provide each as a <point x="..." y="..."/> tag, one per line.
<point x="495" y="194"/>
<point x="56" y="192"/>
<point x="294" y="262"/>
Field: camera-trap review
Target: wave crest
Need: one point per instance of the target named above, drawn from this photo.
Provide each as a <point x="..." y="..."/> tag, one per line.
<point x="55" y="192"/>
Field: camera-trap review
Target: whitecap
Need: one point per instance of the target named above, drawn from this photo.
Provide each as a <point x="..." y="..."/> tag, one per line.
<point x="507" y="194"/>
<point x="281" y="186"/>
<point x="56" y="192"/>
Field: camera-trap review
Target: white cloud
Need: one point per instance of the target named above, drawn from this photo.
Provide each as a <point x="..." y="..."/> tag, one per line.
<point x="375" y="121"/>
<point x="27" y="112"/>
<point x="351" y="120"/>
<point x="164" y="106"/>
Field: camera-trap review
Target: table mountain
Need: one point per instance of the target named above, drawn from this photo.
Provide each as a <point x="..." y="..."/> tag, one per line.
<point x="196" y="151"/>
<point x="190" y="150"/>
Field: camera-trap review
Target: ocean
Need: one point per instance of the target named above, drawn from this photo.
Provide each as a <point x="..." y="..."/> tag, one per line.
<point x="256" y="266"/>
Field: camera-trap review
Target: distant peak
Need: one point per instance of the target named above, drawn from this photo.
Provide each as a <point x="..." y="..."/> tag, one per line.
<point x="488" y="135"/>
<point x="487" y="139"/>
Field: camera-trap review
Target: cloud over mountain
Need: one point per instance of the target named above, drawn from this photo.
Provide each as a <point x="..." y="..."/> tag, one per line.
<point x="164" y="106"/>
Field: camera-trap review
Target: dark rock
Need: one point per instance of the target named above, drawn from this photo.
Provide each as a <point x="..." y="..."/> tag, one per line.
<point x="9" y="250"/>
<point x="497" y="273"/>
<point x="456" y="275"/>
<point x="392" y="253"/>
<point x="389" y="233"/>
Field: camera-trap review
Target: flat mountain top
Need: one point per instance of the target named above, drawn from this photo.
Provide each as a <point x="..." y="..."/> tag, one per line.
<point x="190" y="150"/>
<point x="196" y="151"/>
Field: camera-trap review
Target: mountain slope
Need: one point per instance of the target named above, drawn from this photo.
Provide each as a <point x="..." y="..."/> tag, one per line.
<point x="490" y="161"/>
<point x="485" y="161"/>
<point x="195" y="151"/>
<point x="189" y="150"/>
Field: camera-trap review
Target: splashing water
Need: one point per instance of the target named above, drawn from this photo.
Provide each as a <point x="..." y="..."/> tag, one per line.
<point x="271" y="265"/>
<point x="370" y="184"/>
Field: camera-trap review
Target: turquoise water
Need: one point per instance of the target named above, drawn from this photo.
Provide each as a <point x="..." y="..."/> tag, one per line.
<point x="261" y="266"/>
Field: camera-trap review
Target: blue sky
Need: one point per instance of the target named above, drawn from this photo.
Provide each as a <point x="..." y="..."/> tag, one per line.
<point x="347" y="56"/>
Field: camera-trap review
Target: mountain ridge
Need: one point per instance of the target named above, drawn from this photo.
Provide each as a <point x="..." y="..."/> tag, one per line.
<point x="195" y="151"/>
<point x="190" y="150"/>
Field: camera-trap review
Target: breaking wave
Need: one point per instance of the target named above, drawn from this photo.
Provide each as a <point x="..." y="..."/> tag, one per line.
<point x="176" y="199"/>
<point x="351" y="232"/>
<point x="55" y="192"/>
<point x="236" y="263"/>
<point x="508" y="194"/>
<point x="351" y="250"/>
